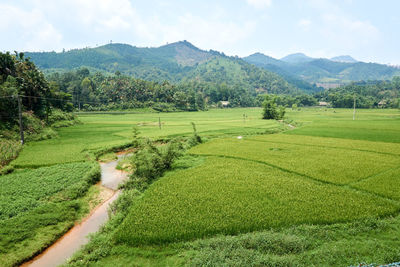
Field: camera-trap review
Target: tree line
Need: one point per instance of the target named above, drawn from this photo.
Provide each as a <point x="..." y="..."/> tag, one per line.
<point x="98" y="91"/>
<point x="368" y="94"/>
<point x="20" y="78"/>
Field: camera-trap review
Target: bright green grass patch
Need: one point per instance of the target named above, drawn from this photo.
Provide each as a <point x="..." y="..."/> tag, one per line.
<point x="231" y="196"/>
<point x="372" y="124"/>
<point x="98" y="131"/>
<point x="71" y="146"/>
<point x="386" y="184"/>
<point x="37" y="206"/>
<point x="333" y="165"/>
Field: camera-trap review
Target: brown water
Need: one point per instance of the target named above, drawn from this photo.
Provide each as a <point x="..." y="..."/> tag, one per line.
<point x="110" y="177"/>
<point x="77" y="236"/>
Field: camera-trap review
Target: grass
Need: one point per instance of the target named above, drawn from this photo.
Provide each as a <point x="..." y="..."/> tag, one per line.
<point x="37" y="206"/>
<point x="100" y="131"/>
<point x="231" y="196"/>
<point x="381" y="125"/>
<point x="337" y="165"/>
<point x="322" y="194"/>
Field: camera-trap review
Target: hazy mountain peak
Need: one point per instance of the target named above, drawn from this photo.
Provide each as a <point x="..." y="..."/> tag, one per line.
<point x="186" y="54"/>
<point x="261" y="58"/>
<point x="297" y="58"/>
<point x="344" y="59"/>
<point x="183" y="43"/>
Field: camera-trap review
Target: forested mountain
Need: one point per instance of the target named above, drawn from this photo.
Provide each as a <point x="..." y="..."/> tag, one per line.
<point x="183" y="62"/>
<point x="176" y="62"/>
<point x="338" y="70"/>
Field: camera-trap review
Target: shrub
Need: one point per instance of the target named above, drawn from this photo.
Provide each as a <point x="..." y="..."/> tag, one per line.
<point x="9" y="150"/>
<point x="271" y="111"/>
<point x="150" y="162"/>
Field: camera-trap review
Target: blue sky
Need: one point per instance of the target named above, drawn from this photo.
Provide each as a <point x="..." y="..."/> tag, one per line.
<point x="365" y="29"/>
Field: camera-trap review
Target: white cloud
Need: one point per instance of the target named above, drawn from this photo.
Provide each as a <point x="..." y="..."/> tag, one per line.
<point x="213" y="32"/>
<point x="348" y="32"/>
<point x="260" y="3"/>
<point x="97" y="21"/>
<point x="30" y="28"/>
<point x="100" y="15"/>
<point x="304" y="24"/>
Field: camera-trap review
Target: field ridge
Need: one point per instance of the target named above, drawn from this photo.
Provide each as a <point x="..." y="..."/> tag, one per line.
<point x="334" y="147"/>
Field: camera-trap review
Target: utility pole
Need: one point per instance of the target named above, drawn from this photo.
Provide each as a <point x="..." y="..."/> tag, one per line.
<point x="354" y="111"/>
<point x="159" y="122"/>
<point x="21" y="130"/>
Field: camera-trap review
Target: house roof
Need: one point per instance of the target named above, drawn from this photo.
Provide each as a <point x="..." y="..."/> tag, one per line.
<point x="224" y="103"/>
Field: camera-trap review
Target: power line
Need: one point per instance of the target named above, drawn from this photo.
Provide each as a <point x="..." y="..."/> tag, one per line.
<point x="55" y="99"/>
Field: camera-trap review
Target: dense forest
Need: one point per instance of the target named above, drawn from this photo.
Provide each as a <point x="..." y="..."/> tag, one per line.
<point x="113" y="92"/>
<point x="385" y="94"/>
<point x="42" y="104"/>
<point x="372" y="94"/>
<point x="19" y="77"/>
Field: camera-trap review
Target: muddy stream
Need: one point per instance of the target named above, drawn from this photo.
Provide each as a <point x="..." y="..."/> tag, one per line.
<point x="59" y="252"/>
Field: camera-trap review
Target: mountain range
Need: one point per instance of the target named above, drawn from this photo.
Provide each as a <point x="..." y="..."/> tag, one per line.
<point x="182" y="61"/>
<point x="322" y="71"/>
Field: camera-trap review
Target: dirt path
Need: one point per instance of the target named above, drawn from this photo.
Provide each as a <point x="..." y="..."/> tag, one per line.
<point x="59" y="252"/>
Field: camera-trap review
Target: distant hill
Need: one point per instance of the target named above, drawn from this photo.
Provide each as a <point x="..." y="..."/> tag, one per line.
<point x="280" y="67"/>
<point x="176" y="62"/>
<point x="345" y="59"/>
<point x="324" y="72"/>
<point x="296" y="58"/>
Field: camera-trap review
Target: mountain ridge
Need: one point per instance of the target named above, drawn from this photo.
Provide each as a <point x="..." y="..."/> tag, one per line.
<point x="179" y="60"/>
<point x="323" y="70"/>
<point x="176" y="62"/>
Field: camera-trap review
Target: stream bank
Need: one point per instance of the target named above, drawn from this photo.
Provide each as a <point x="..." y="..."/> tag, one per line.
<point x="59" y="252"/>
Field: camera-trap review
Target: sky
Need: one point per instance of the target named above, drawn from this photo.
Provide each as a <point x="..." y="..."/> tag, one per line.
<point x="368" y="30"/>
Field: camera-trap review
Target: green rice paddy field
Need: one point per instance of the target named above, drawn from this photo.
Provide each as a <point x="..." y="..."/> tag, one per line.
<point x="98" y="131"/>
<point x="323" y="193"/>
